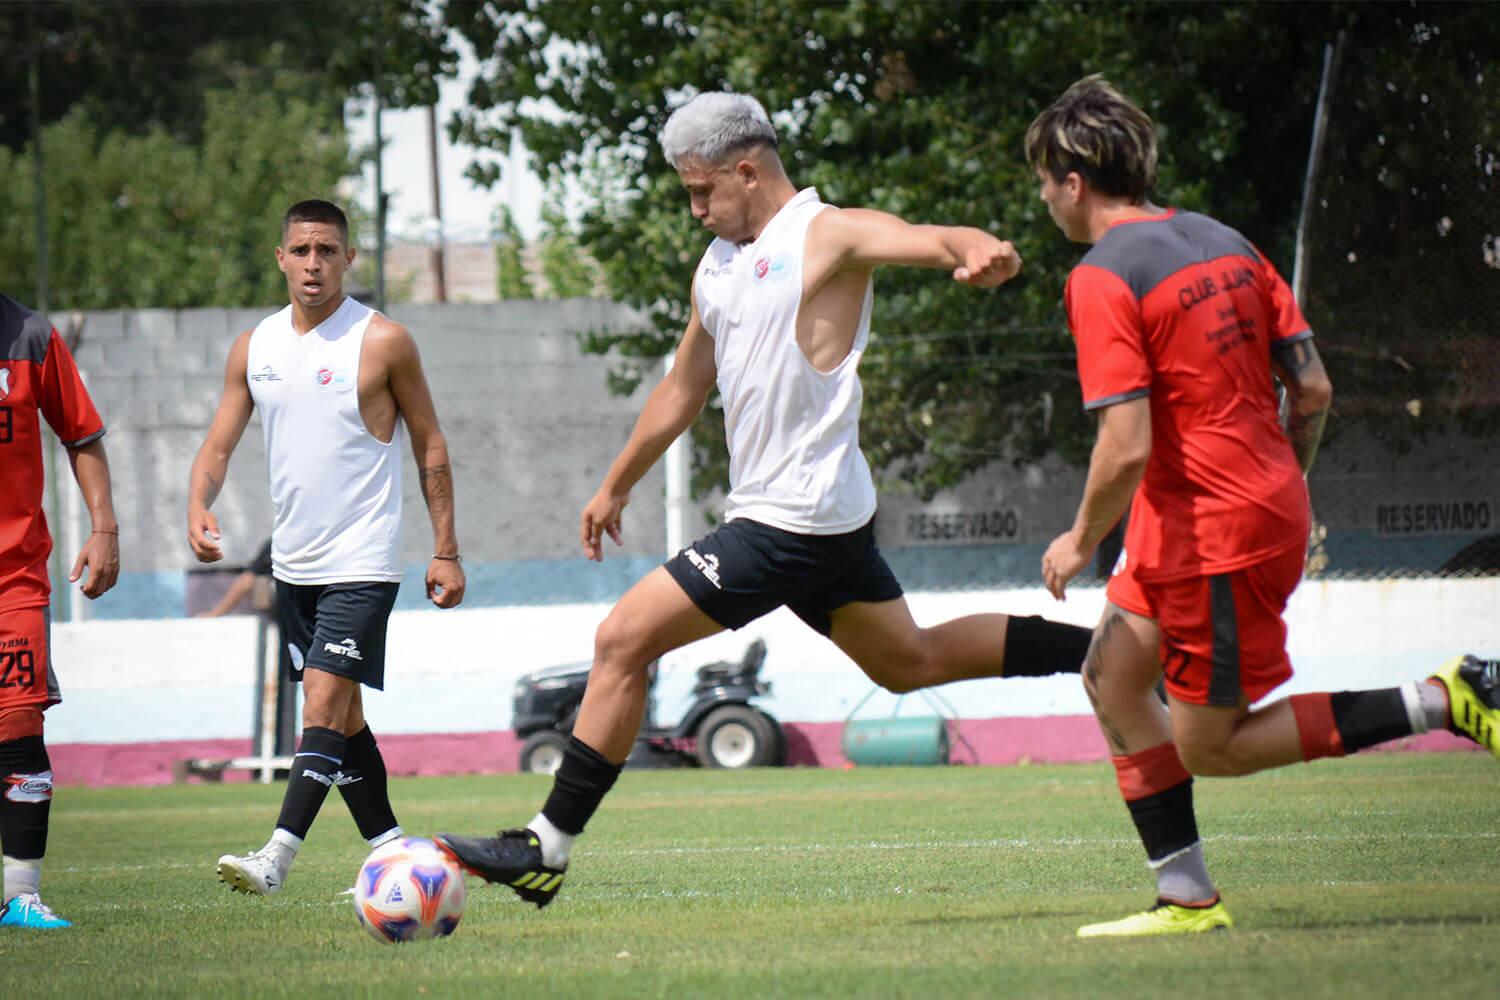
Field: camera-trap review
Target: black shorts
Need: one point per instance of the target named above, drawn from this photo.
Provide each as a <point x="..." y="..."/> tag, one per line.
<point x="744" y="569"/>
<point x="338" y="628"/>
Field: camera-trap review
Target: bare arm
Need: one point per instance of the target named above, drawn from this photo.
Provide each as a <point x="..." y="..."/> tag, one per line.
<point x="100" y="554"/>
<point x="862" y="239"/>
<point x="1309" y="393"/>
<point x="445" y="575"/>
<point x="212" y="461"/>
<point x="670" y="409"/>
<point x="238" y="588"/>
<point x="1116" y="466"/>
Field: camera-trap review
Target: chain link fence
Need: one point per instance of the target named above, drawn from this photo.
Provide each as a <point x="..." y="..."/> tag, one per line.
<point x="1402" y="288"/>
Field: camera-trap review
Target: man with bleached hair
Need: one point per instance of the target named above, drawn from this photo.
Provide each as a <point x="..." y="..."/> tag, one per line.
<point x="780" y="318"/>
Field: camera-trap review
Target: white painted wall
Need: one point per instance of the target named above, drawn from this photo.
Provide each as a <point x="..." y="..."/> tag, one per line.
<point x="452" y="671"/>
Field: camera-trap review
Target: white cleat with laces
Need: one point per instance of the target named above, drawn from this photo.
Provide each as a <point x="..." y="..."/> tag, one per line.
<point x="256" y="873"/>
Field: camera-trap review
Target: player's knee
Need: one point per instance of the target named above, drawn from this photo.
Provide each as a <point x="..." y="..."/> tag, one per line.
<point x="1210" y="759"/>
<point x="618" y="647"/>
<point x="900" y="671"/>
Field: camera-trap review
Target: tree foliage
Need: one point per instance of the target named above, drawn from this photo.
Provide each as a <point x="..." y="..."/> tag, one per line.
<point x="174" y="135"/>
<point x="918" y="109"/>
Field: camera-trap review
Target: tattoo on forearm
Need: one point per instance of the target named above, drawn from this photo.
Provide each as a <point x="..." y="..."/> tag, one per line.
<point x="1303" y="430"/>
<point x="211" y="493"/>
<point x="437" y="487"/>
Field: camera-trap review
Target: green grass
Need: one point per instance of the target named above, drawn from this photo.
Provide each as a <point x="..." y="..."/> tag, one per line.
<point x="1379" y="874"/>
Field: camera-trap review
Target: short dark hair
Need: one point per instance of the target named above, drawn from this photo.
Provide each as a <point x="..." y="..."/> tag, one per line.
<point x="1097" y="132"/>
<point x="317" y="210"/>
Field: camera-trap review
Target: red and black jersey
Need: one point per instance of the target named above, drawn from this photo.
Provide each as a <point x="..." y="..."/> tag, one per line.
<point x="37" y="379"/>
<point x="1184" y="310"/>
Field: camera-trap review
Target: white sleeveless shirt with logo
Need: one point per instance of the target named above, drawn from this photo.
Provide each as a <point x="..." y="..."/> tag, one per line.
<point x="792" y="431"/>
<point x="335" y="487"/>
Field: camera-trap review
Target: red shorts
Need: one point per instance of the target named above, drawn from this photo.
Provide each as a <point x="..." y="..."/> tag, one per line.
<point x="1223" y="640"/>
<point x="26" y="677"/>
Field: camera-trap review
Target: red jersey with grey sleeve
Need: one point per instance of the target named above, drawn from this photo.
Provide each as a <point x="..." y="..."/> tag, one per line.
<point x="1184" y="310"/>
<point x="37" y="379"/>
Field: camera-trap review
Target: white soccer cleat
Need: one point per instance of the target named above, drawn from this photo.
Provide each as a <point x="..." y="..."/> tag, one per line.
<point x="256" y="873"/>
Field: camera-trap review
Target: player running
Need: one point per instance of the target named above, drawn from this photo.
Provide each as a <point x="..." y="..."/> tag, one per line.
<point x="1180" y="323"/>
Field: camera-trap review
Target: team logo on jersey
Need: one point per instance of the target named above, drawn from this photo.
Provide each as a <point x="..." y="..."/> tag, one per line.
<point x="777" y="268"/>
<point x="266" y="374"/>
<point x="4" y="382"/>
<point x="337" y="379"/>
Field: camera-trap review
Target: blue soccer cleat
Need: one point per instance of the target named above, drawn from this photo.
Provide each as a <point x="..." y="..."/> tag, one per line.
<point x="28" y="910"/>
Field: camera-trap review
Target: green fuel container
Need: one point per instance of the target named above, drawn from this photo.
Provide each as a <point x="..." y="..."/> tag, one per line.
<point x="896" y="741"/>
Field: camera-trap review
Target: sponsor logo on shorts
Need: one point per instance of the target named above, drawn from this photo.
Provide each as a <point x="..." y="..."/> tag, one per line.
<point x="348" y="649"/>
<point x="707" y="565"/>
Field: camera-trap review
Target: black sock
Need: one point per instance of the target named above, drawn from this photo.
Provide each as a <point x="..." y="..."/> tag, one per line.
<point x="1165" y="820"/>
<point x="25" y="797"/>
<point x="1036" y="647"/>
<point x="1365" y="718"/>
<point x="362" y="783"/>
<point x="580" y="784"/>
<point x="319" y="756"/>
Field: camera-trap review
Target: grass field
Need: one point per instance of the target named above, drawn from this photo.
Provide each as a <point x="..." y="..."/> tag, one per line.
<point x="1376" y="877"/>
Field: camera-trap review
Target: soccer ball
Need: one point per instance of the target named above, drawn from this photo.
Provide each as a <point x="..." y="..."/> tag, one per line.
<point x="408" y="890"/>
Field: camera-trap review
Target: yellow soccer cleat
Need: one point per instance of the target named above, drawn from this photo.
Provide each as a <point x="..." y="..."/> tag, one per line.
<point x="1473" y="687"/>
<point x="1165" y="918"/>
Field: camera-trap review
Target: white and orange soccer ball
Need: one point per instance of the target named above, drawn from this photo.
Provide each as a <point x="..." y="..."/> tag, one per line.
<point x="408" y="890"/>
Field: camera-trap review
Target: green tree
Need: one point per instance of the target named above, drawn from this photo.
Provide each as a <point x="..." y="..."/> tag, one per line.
<point x="152" y="220"/>
<point x="148" y="64"/>
<point x="918" y="109"/>
<point x="511" y="279"/>
<point x="565" y="265"/>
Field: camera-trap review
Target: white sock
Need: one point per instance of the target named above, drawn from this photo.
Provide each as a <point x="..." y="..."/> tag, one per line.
<point x="1411" y="700"/>
<point x="283" y="846"/>
<point x="556" y="845"/>
<point x="1183" y="877"/>
<point x="384" y="838"/>
<point x="22" y="876"/>
<point x="1435" y="704"/>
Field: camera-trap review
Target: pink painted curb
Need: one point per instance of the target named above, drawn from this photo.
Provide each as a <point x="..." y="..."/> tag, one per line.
<point x="1047" y="740"/>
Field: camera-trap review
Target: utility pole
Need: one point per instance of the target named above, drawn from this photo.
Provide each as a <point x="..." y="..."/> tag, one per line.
<point x="439" y="276"/>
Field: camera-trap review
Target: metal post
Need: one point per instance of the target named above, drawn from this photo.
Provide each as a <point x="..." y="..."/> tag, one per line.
<point x="439" y="276"/>
<point x="1331" y="54"/>
<point x="679" y="470"/>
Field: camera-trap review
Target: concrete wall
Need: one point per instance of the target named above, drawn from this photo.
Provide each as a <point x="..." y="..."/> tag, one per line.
<point x="531" y="430"/>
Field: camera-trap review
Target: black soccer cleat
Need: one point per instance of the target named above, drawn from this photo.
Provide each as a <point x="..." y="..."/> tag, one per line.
<point x="511" y="857"/>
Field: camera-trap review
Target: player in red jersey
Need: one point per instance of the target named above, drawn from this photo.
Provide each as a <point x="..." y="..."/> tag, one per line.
<point x="1180" y="324"/>
<point x="38" y="379"/>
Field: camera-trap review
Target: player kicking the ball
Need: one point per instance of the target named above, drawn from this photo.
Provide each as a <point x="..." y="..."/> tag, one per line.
<point x="334" y="381"/>
<point x="780" y="317"/>
<point x="1180" y="323"/>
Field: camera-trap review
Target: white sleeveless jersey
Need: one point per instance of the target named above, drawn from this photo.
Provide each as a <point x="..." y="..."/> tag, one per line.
<point x="793" y="431"/>
<point x="336" y="488"/>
